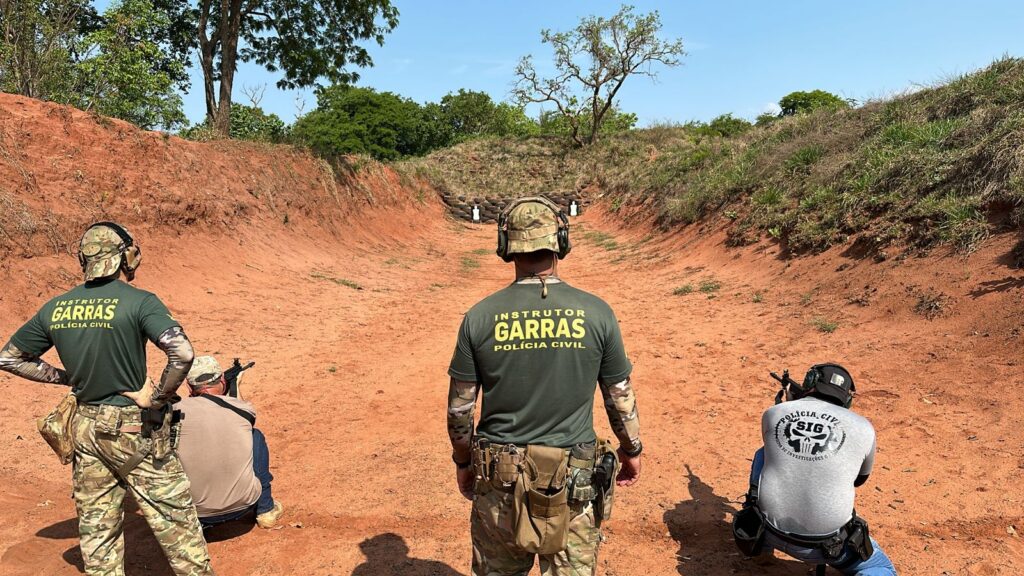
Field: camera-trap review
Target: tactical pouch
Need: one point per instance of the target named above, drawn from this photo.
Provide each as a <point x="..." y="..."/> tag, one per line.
<point x="581" y="473"/>
<point x="506" y="466"/>
<point x="606" y="468"/>
<point x="161" y="436"/>
<point x="56" y="428"/>
<point x="541" y="501"/>
<point x="859" y="538"/>
<point x="748" y="531"/>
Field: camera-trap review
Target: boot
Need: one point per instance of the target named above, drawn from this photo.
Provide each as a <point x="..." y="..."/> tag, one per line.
<point x="269" y="519"/>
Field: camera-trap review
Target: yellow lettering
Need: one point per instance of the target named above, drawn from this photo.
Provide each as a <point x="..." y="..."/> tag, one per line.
<point x="501" y="331"/>
<point x="563" y="328"/>
<point x="547" y="328"/>
<point x="109" y="312"/>
<point x="581" y="313"/>
<point x="76" y="312"/>
<point x="516" y="331"/>
<point x="577" y="328"/>
<point x="531" y="329"/>
<point x="57" y="311"/>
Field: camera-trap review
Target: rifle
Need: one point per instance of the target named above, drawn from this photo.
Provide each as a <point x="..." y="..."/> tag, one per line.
<point x="784" y="381"/>
<point x="231" y="376"/>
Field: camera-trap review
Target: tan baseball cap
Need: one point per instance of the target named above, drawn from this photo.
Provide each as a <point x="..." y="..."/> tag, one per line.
<point x="100" y="250"/>
<point x="532" y="226"/>
<point x="204" y="372"/>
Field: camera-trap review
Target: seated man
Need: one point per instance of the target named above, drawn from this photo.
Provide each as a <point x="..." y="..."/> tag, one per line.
<point x="225" y="457"/>
<point x="816" y="451"/>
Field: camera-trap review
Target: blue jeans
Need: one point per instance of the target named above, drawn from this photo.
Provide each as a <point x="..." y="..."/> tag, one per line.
<point x="848" y="562"/>
<point x="261" y="469"/>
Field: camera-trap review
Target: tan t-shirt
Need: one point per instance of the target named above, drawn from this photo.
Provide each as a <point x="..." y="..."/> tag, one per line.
<point x="216" y="451"/>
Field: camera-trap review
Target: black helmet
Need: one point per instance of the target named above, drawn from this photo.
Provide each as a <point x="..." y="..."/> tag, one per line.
<point x="829" y="382"/>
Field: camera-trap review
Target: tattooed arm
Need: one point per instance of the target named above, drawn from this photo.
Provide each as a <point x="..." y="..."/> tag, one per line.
<point x="179" y="352"/>
<point x="461" y="404"/>
<point x="620" y="404"/>
<point x="23" y="364"/>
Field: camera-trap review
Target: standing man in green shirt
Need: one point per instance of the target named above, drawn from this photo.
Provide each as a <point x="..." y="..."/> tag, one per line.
<point x="540" y="480"/>
<point x="122" y="434"/>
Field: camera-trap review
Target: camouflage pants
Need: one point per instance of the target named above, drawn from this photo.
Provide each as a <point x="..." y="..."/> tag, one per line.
<point x="106" y="437"/>
<point x="494" y="550"/>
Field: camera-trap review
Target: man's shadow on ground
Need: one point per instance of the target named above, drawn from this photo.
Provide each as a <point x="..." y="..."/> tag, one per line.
<point x="702" y="526"/>
<point x="388" y="555"/>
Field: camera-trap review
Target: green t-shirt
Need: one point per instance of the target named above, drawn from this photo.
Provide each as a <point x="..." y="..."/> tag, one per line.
<point x="100" y="332"/>
<point x="538" y="361"/>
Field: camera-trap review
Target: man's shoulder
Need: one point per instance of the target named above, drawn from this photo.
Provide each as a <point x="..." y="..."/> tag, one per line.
<point x="203" y="404"/>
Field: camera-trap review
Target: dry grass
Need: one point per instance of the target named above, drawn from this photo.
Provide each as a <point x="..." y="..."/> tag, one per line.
<point x="944" y="165"/>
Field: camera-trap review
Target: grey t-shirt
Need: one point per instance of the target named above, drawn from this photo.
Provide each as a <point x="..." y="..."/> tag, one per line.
<point x="813" y="453"/>
<point x="215" y="449"/>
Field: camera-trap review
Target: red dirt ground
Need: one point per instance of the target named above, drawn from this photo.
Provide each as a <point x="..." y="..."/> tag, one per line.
<point x="351" y="385"/>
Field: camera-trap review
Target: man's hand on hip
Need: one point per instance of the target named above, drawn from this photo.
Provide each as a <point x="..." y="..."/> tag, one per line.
<point x="144" y="397"/>
<point x="629" y="474"/>
<point x="464" y="478"/>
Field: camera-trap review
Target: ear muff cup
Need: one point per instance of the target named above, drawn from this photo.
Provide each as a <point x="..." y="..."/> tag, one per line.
<point x="131" y="254"/>
<point x="562" y="236"/>
<point x="817" y="377"/>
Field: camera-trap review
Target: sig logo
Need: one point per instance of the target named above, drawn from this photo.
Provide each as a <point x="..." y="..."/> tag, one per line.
<point x="807" y="435"/>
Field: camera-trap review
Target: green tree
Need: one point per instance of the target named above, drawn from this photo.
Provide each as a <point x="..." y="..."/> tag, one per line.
<point x="351" y="120"/>
<point x="130" y="76"/>
<point x="801" y="102"/>
<point x="304" y="39"/>
<point x="40" y="42"/>
<point x="554" y="123"/>
<point x="592" y="62"/>
<point x="470" y="114"/>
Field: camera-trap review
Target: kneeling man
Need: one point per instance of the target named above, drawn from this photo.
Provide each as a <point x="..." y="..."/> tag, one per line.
<point x="816" y="451"/>
<point x="225" y="457"/>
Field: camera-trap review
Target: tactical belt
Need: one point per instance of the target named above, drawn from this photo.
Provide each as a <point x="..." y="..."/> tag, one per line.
<point x="129" y="418"/>
<point x="853" y="534"/>
<point x="499" y="464"/>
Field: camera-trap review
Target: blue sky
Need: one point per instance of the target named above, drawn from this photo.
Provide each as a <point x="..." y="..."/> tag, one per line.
<point x="741" y="56"/>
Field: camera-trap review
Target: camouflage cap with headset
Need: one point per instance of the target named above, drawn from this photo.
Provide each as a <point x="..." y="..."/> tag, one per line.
<point x="205" y="372"/>
<point x="530" y="224"/>
<point x="107" y="247"/>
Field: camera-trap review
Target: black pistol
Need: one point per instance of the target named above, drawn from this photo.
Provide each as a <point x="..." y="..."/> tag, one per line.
<point x="604" y="475"/>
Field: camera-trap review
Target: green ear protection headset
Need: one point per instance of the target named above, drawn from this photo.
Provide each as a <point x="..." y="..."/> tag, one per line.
<point x="564" y="246"/>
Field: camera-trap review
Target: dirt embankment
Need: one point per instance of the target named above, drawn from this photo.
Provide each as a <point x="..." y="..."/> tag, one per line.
<point x="348" y="292"/>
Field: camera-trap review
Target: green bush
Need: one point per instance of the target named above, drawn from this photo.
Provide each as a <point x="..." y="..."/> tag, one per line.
<point x="247" y="123"/>
<point x="724" y="126"/>
<point x="351" y="120"/>
<point x="802" y="102"/>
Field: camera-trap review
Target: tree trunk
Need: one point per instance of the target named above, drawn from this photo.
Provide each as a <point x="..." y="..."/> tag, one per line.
<point x="206" y="51"/>
<point x="231" y="24"/>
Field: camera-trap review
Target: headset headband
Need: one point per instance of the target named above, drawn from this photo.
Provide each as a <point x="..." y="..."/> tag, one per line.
<point x="121" y="232"/>
<point x="559" y="213"/>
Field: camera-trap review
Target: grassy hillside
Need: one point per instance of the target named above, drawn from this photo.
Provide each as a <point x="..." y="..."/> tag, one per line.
<point x="944" y="165"/>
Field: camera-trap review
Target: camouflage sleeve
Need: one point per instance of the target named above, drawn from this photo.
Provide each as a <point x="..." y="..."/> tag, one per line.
<point x="179" y="352"/>
<point x="23" y="364"/>
<point x="620" y="404"/>
<point x="461" y="405"/>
